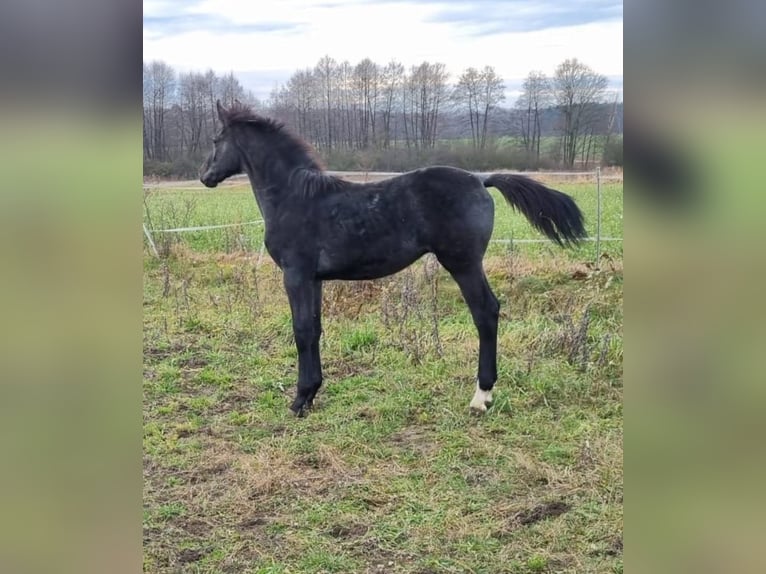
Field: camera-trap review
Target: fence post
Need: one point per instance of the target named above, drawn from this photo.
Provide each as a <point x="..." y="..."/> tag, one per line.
<point x="598" y="216"/>
<point x="151" y="241"/>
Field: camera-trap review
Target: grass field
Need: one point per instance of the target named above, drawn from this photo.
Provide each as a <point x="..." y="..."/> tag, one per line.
<point x="390" y="472"/>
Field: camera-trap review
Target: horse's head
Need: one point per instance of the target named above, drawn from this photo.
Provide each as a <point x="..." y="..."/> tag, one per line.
<point x="224" y="161"/>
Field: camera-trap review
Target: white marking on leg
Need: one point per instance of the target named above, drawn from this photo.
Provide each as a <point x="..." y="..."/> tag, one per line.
<point x="481" y="399"/>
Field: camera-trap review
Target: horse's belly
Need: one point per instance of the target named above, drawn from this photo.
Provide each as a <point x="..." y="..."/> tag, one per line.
<point x="371" y="264"/>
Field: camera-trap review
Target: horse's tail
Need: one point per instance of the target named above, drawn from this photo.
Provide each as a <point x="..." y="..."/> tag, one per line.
<point x="553" y="213"/>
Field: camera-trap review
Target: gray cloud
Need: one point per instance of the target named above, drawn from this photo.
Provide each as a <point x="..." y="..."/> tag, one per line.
<point x="262" y="82"/>
<point x="477" y="17"/>
<point x="182" y="23"/>
<point x="481" y="17"/>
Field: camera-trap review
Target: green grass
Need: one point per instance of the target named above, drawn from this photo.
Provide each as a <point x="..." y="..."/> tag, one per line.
<point x="390" y="472"/>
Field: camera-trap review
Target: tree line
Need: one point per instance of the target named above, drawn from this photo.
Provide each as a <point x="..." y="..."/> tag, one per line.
<point x="369" y="113"/>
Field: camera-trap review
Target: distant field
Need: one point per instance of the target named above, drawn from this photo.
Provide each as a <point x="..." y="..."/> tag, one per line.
<point x="390" y="473"/>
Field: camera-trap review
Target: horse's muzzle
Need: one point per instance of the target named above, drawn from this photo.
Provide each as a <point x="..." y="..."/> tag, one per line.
<point x="207" y="180"/>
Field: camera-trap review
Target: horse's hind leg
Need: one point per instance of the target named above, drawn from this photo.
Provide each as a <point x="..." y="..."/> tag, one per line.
<point x="485" y="310"/>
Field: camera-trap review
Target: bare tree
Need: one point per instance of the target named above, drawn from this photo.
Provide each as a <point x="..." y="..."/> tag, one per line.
<point x="576" y="90"/>
<point x="211" y="81"/>
<point x="325" y="72"/>
<point x="229" y="89"/>
<point x="301" y="89"/>
<point x="611" y="122"/>
<point x="192" y="97"/>
<point x="367" y="86"/>
<point x="490" y="95"/>
<point x="481" y="92"/>
<point x="161" y="82"/>
<point x="535" y="97"/>
<point x="147" y="112"/>
<point x="391" y="82"/>
<point x="425" y="91"/>
<point x="347" y="105"/>
<point x="466" y="95"/>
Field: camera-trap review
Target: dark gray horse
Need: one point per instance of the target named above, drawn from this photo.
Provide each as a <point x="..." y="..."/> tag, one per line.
<point x="319" y="227"/>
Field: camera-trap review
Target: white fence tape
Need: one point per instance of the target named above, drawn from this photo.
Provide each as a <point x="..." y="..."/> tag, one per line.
<point x="377" y="175"/>
<point x="548" y="240"/>
<point x="203" y="227"/>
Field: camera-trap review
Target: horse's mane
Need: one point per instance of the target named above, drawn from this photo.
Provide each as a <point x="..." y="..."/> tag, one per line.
<point x="309" y="177"/>
<point x="243" y="114"/>
<point x="313" y="182"/>
<point x="240" y="113"/>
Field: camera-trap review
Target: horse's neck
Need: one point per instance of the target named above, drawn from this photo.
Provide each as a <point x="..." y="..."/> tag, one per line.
<point x="270" y="176"/>
<point x="270" y="185"/>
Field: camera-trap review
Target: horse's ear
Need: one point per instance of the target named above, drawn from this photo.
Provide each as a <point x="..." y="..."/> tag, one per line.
<point x="221" y="112"/>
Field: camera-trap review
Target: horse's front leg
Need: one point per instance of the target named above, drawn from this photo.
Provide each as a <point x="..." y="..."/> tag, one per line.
<point x="305" y="296"/>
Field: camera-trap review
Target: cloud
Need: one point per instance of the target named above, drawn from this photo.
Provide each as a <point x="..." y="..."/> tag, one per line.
<point x="160" y="8"/>
<point x="183" y="23"/>
<point x="499" y="17"/>
<point x="266" y="40"/>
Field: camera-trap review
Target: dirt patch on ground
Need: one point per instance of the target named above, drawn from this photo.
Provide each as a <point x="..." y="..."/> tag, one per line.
<point x="380" y="559"/>
<point x="347" y="531"/>
<point x="196" y="528"/>
<point x="193" y="362"/>
<point x="416" y="440"/>
<point x="615" y="547"/>
<point x="541" y="512"/>
<point x="190" y="555"/>
<point x="273" y="472"/>
<point x="159" y="353"/>
<point x="254" y="522"/>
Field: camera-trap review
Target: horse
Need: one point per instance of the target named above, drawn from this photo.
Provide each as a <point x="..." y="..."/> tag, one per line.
<point x="319" y="227"/>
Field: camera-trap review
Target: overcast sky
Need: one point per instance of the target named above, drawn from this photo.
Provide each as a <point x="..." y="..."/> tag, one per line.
<point x="264" y="41"/>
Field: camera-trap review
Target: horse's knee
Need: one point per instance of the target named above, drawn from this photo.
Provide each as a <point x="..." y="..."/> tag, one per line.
<point x="304" y="336"/>
<point x="494" y="307"/>
<point x="486" y="319"/>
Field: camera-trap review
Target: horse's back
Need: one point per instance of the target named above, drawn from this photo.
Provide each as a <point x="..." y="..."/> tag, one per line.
<point x="449" y="190"/>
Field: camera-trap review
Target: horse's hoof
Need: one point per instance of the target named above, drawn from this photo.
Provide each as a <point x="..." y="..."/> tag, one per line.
<point x="478" y="410"/>
<point x="300" y="409"/>
<point x="480" y="401"/>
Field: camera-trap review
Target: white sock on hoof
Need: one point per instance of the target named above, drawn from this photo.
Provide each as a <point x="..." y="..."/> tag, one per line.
<point x="481" y="399"/>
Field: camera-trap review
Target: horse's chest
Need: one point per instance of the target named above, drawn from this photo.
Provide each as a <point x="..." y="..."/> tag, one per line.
<point x="278" y="247"/>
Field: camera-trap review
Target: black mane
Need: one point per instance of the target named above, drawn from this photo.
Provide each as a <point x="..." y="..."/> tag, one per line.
<point x="242" y="114"/>
<point x="311" y="182"/>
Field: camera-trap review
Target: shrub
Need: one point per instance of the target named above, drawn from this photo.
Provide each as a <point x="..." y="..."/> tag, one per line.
<point x="179" y="168"/>
<point x="613" y="152"/>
